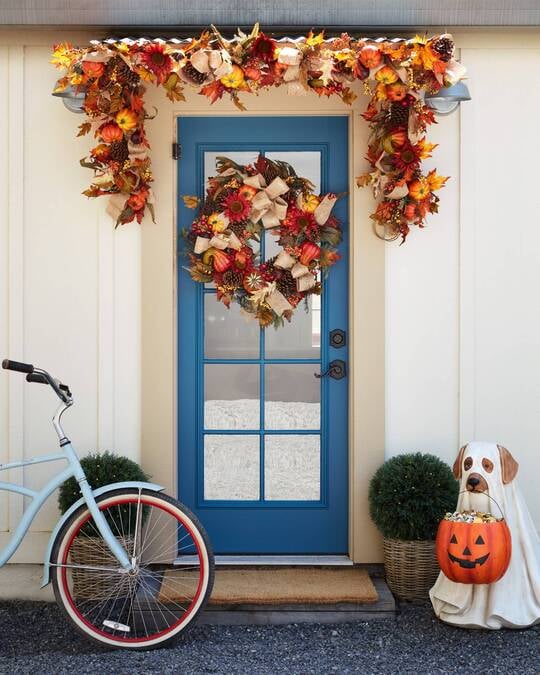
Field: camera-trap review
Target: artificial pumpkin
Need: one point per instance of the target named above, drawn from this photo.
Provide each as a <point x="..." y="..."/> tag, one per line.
<point x="111" y="132"/>
<point x="217" y="258"/>
<point x="396" y="91"/>
<point x="309" y="252"/>
<point x="370" y="56"/>
<point x="386" y="75"/>
<point x="473" y="553"/>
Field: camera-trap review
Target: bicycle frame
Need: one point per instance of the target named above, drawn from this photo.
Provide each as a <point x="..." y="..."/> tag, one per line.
<point x="75" y="470"/>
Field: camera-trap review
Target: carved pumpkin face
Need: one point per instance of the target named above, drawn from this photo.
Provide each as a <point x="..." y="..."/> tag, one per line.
<point x="473" y="553"/>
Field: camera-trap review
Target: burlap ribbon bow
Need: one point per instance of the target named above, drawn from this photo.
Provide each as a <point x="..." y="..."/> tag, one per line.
<point x="267" y="205"/>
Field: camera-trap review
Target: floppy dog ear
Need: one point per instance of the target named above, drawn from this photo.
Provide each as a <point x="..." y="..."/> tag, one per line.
<point x="459" y="462"/>
<point x="509" y="465"/>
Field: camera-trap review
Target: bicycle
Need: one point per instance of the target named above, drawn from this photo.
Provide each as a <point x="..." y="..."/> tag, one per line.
<point x="130" y="566"/>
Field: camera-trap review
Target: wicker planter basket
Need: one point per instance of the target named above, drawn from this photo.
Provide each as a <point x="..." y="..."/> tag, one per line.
<point x="411" y="568"/>
<point x="89" y="551"/>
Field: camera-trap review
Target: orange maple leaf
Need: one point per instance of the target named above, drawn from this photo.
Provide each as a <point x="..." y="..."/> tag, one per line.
<point x="213" y="91"/>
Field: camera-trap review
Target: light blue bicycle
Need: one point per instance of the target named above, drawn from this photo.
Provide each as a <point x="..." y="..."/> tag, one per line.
<point x="130" y="566"/>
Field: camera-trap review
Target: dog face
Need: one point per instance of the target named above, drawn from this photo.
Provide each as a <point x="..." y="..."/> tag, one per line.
<point x="477" y="463"/>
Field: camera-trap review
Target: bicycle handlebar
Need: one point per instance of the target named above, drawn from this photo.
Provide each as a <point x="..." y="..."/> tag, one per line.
<point x="17" y="366"/>
<point x="40" y="377"/>
<point x="37" y="377"/>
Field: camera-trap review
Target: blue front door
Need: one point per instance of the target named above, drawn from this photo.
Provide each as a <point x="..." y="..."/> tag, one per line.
<point x="263" y="453"/>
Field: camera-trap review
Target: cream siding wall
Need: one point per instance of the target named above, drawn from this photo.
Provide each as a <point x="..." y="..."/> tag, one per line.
<point x="70" y="289"/>
<point x="459" y="359"/>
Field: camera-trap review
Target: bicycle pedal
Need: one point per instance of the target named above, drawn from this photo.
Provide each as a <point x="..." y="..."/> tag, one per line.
<point x="114" y="625"/>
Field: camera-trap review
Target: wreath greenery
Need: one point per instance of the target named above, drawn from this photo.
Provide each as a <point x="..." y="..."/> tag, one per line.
<point x="224" y="240"/>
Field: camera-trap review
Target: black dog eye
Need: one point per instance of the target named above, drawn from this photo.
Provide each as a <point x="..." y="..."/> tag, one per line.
<point x="454" y="540"/>
<point x="479" y="540"/>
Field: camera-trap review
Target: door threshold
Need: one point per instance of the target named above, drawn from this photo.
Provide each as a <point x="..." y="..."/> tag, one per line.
<point x="247" y="560"/>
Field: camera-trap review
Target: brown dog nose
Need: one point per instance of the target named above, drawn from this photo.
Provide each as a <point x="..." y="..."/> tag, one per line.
<point x="473" y="481"/>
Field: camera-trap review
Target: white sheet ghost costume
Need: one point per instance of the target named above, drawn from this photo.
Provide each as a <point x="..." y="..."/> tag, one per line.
<point x="514" y="600"/>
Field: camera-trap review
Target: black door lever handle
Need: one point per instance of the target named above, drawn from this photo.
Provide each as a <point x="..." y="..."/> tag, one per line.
<point x="337" y="369"/>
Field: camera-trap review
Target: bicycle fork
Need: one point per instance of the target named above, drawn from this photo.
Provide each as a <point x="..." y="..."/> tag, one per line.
<point x="99" y="519"/>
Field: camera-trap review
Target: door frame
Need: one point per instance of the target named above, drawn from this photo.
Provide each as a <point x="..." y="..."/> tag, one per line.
<point x="366" y="307"/>
<point x="326" y="519"/>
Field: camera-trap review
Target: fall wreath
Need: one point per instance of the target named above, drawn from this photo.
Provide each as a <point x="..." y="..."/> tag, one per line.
<point x="224" y="240"/>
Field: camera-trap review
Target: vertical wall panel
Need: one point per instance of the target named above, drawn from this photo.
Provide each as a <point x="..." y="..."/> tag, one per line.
<point x="15" y="244"/>
<point x="4" y="282"/>
<point x="500" y="318"/>
<point x="60" y="271"/>
<point x="422" y="312"/>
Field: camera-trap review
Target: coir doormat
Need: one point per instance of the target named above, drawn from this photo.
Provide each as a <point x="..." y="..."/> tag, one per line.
<point x="280" y="586"/>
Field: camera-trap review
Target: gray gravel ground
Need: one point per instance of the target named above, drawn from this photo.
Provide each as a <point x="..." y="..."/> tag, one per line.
<point x="34" y="639"/>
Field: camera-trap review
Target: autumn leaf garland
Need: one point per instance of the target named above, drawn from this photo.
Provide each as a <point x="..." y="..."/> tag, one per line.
<point x="395" y="74"/>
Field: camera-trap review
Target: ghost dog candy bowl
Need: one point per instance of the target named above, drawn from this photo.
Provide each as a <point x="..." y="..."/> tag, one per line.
<point x="473" y="547"/>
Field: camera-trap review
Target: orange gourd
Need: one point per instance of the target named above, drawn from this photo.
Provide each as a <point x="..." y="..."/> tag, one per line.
<point x="217" y="258"/>
<point x="370" y="56"/>
<point x="473" y="553"/>
<point x="111" y="132"/>
<point x="309" y="252"/>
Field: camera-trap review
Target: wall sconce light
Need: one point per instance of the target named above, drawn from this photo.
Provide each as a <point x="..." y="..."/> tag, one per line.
<point x="447" y="100"/>
<point x="73" y="98"/>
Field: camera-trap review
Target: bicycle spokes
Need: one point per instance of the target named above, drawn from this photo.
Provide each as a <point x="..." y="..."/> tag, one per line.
<point x="154" y="599"/>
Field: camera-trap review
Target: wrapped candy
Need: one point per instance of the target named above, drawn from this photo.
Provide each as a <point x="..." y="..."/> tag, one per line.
<point x="471" y="517"/>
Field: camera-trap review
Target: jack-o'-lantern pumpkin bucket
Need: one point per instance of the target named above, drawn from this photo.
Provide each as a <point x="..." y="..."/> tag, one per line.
<point x="473" y="548"/>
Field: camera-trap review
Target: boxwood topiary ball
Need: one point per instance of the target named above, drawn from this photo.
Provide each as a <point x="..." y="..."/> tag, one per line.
<point x="100" y="469"/>
<point x="409" y="494"/>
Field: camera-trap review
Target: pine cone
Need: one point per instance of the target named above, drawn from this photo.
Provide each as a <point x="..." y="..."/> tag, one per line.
<point x="270" y="172"/>
<point x="192" y="74"/>
<point x="444" y="47"/>
<point x="113" y="65"/>
<point x="238" y="228"/>
<point x="119" y="151"/>
<point x="210" y="206"/>
<point x="232" y="279"/>
<point x="131" y="78"/>
<point x="286" y="284"/>
<point x="397" y="115"/>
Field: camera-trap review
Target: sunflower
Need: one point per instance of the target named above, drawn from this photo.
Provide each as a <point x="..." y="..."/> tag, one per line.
<point x="156" y="58"/>
<point x="407" y="159"/>
<point x="236" y="207"/>
<point x="299" y="222"/>
<point x="248" y="192"/>
<point x="264" y="48"/>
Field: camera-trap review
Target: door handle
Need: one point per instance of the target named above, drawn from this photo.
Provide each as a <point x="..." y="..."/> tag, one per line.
<point x="337" y="369"/>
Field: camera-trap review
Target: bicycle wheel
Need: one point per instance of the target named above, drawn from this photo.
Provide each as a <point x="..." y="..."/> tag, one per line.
<point x="150" y="605"/>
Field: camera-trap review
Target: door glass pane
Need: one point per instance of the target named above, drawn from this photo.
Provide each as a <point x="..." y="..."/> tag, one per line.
<point x="292" y="467"/>
<point x="271" y="247"/>
<point x="241" y="157"/>
<point x="299" y="339"/>
<point x="306" y="163"/>
<point x="231" y="467"/>
<point x="292" y="396"/>
<point x="231" y="396"/>
<point x="227" y="334"/>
